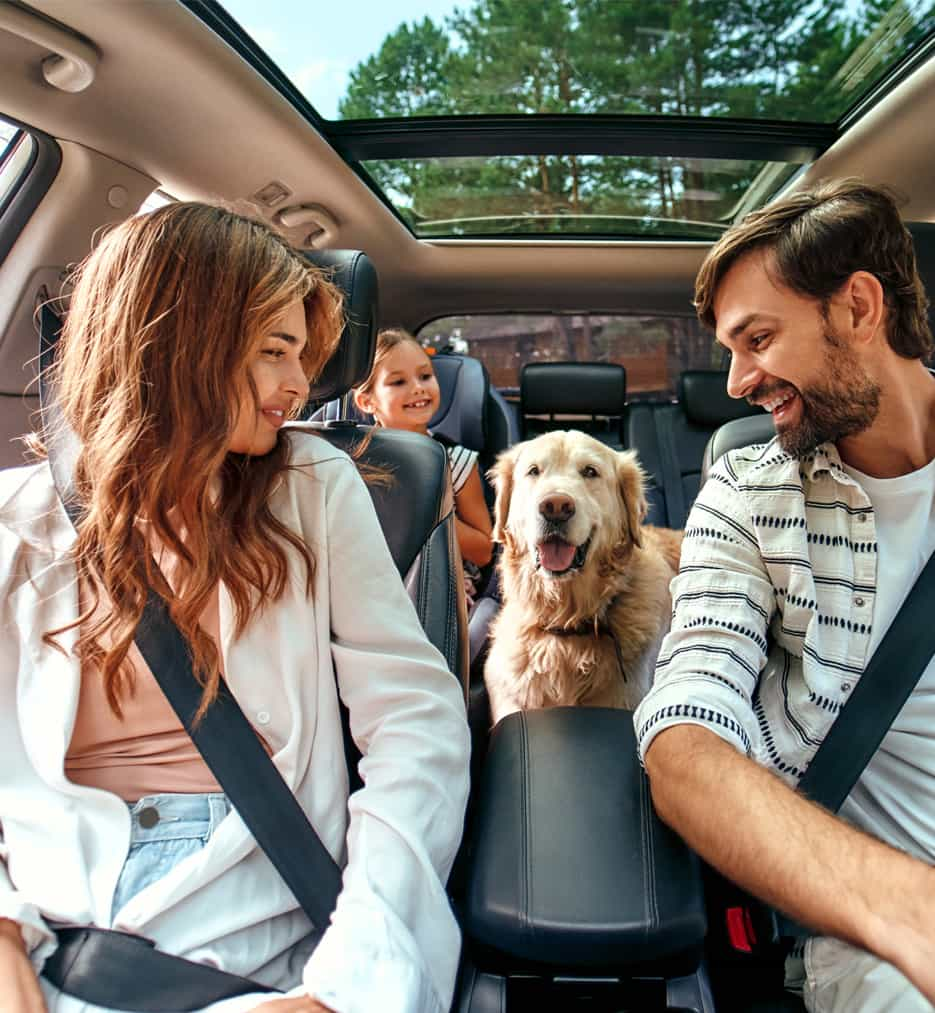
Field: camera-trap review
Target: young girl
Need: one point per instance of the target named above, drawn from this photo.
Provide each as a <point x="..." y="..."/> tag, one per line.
<point x="192" y="335"/>
<point x="402" y="393"/>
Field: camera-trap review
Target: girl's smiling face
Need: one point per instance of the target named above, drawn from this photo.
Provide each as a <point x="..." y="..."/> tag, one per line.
<point x="404" y="393"/>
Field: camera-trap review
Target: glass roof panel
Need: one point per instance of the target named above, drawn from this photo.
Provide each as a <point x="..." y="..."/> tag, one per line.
<point x="792" y="60"/>
<point x="551" y="195"/>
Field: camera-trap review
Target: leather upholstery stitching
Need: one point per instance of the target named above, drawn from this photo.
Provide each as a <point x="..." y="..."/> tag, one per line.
<point x="649" y="858"/>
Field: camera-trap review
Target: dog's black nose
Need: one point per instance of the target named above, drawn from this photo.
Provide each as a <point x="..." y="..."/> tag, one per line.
<point x="557" y="508"/>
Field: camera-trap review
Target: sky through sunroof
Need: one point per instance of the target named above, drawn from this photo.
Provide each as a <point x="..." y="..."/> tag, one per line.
<point x="780" y="59"/>
<point x="788" y="60"/>
<point x="317" y="46"/>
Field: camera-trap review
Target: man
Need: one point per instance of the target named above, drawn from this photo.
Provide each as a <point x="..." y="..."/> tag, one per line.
<point x="797" y="556"/>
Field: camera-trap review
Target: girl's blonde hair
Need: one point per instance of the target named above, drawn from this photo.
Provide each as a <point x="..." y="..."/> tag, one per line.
<point x="152" y="366"/>
<point x="387" y="340"/>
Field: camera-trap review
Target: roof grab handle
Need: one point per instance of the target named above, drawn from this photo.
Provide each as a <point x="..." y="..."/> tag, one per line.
<point x="318" y="224"/>
<point x="71" y="65"/>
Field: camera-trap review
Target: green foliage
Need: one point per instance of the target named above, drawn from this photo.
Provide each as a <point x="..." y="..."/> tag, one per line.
<point x="409" y="76"/>
<point x="767" y="59"/>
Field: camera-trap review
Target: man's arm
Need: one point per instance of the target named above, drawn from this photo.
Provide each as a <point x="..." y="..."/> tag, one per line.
<point x="760" y="833"/>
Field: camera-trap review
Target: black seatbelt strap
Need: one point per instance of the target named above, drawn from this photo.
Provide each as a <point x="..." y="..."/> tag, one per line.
<point x="224" y="737"/>
<point x="897" y="665"/>
<point x="888" y="680"/>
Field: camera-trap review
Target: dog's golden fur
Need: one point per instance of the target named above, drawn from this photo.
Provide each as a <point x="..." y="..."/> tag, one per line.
<point x="562" y="637"/>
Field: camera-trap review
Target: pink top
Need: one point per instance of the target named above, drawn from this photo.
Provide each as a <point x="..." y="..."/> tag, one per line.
<point x="147" y="752"/>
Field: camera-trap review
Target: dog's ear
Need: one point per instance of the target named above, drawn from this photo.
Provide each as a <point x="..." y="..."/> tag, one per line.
<point x="630" y="481"/>
<point x="501" y="475"/>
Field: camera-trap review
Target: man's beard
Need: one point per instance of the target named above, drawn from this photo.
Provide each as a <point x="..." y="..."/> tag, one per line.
<point x="843" y="404"/>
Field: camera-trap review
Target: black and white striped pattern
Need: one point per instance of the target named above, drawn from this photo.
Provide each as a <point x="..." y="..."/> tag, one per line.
<point x="461" y="461"/>
<point x="773" y="607"/>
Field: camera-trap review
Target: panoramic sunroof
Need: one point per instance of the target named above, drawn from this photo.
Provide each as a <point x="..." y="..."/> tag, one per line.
<point x="578" y="118"/>
<point x="790" y="60"/>
<point x="543" y="195"/>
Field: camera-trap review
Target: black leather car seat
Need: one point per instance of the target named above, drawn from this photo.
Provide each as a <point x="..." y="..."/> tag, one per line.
<point x="670" y="438"/>
<point x="589" y="396"/>
<point x="416" y="507"/>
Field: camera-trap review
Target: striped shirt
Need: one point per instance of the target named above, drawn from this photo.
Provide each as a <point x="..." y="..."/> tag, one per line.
<point x="461" y="461"/>
<point x="772" y="607"/>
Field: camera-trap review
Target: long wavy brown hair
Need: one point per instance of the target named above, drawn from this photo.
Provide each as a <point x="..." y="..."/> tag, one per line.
<point x="165" y="318"/>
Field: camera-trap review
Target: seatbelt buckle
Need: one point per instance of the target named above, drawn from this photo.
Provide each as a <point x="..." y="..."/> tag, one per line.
<point x="740" y="931"/>
<point x="751" y="927"/>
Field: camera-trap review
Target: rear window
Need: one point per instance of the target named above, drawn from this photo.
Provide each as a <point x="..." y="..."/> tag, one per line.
<point x="654" y="349"/>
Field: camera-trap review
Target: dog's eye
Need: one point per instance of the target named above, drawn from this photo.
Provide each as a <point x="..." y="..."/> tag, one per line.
<point x="588" y="472"/>
<point x="533" y="470"/>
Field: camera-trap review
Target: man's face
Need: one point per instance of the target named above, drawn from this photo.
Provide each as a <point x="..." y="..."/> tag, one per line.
<point x="791" y="358"/>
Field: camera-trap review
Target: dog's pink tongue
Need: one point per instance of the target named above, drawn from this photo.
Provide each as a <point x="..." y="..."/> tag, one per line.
<point x="556" y="555"/>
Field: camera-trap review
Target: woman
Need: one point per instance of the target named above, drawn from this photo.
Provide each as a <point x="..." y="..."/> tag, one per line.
<point x="192" y="335"/>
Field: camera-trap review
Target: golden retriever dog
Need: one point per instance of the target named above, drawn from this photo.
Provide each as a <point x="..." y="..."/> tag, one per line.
<point x="585" y="584"/>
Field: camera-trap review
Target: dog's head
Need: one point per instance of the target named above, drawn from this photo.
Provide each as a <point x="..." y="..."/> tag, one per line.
<point x="565" y="498"/>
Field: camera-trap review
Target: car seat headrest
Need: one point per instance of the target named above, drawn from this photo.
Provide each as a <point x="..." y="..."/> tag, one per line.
<point x="573" y="388"/>
<point x="462" y="411"/>
<point x="705" y="401"/>
<point x="734" y="434"/>
<point x="354" y="274"/>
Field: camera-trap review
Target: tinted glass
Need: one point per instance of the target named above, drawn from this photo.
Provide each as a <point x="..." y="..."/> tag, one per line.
<point x="654" y="349"/>
<point x="571" y="195"/>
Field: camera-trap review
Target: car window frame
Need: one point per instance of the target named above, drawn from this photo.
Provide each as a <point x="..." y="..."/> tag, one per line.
<point x="32" y="185"/>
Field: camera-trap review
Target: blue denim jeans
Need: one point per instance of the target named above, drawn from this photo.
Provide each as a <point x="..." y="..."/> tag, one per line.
<point x="165" y="829"/>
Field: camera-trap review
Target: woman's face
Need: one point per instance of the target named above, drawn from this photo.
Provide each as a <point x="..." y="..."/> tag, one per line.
<point x="405" y="392"/>
<point x="280" y="381"/>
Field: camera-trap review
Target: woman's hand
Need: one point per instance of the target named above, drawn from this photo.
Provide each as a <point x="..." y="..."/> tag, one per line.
<point x="19" y="986"/>
<point x="299" y="1004"/>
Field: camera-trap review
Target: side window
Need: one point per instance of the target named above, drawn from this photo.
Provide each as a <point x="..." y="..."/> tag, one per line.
<point x="654" y="349"/>
<point x="17" y="150"/>
<point x="29" y="161"/>
<point x="156" y="199"/>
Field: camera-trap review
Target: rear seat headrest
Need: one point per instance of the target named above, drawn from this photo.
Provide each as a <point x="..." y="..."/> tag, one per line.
<point x="462" y="411"/>
<point x="354" y="274"/>
<point x="705" y="401"/>
<point x="573" y="388"/>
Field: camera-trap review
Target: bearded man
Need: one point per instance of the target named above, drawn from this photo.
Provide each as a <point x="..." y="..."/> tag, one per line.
<point x="797" y="556"/>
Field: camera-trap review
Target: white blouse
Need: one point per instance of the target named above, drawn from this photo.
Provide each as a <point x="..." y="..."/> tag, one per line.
<point x="393" y="942"/>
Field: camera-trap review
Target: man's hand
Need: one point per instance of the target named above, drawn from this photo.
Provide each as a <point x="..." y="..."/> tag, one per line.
<point x="300" y="1004"/>
<point x="793" y="854"/>
<point x="19" y="986"/>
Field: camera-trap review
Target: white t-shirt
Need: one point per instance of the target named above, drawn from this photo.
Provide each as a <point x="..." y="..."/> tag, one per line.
<point x="895" y="796"/>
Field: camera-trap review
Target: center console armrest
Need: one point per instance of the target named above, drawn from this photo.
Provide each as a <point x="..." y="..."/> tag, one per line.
<point x="571" y="869"/>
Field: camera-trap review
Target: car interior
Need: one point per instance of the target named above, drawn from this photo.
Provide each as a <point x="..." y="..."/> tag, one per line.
<point x="544" y="252"/>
